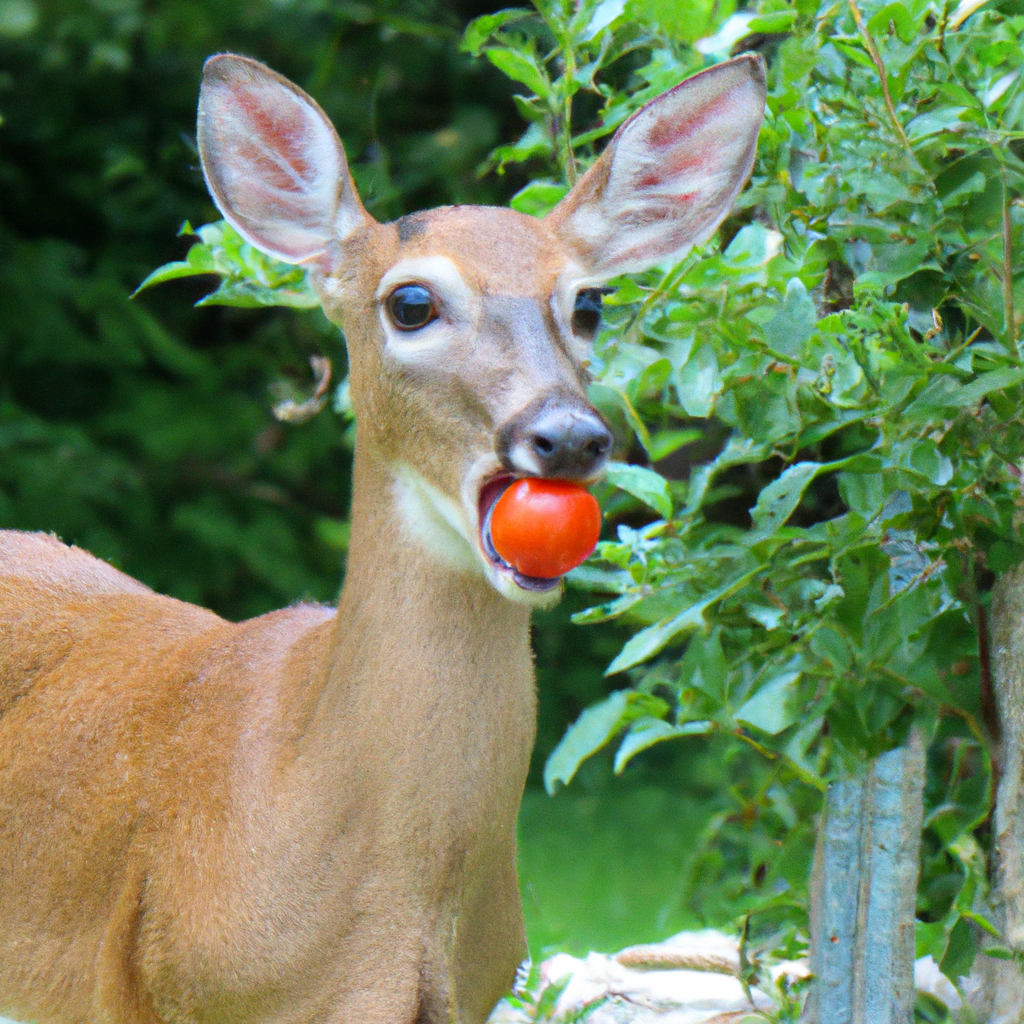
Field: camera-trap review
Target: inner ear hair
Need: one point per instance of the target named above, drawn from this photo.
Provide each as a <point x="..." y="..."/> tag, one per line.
<point x="273" y="162"/>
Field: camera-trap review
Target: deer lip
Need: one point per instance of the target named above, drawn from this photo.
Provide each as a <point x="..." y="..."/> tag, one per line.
<point x="490" y="492"/>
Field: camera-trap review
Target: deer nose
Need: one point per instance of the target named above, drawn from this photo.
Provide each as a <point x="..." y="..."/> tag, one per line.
<point x="558" y="440"/>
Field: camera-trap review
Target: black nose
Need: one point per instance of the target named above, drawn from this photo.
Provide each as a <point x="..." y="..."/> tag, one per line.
<point x="562" y="440"/>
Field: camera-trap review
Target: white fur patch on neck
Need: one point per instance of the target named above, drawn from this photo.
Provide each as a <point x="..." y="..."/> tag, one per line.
<point x="433" y="520"/>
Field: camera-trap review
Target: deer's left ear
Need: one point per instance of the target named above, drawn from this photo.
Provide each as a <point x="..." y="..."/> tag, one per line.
<point x="669" y="175"/>
<point x="274" y="163"/>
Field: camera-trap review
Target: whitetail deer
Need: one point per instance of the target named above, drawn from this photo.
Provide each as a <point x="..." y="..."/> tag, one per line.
<point x="310" y="817"/>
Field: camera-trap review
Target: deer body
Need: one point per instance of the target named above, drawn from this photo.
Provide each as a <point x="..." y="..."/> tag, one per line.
<point x="311" y="816"/>
<point x="206" y="815"/>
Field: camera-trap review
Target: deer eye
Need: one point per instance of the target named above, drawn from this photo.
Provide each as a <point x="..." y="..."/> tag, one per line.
<point x="410" y="307"/>
<point x="586" y="312"/>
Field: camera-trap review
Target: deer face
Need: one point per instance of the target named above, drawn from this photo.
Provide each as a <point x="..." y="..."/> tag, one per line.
<point x="467" y="371"/>
<point x="468" y="327"/>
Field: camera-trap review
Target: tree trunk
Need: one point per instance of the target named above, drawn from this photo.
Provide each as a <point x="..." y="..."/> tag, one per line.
<point x="1000" y="999"/>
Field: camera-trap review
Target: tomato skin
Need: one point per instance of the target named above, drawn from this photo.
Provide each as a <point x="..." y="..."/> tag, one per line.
<point x="544" y="528"/>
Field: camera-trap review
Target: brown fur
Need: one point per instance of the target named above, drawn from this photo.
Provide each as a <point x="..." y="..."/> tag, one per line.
<point x="306" y="816"/>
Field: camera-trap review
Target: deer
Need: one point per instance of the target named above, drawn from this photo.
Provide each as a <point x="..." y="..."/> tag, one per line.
<point x="311" y="816"/>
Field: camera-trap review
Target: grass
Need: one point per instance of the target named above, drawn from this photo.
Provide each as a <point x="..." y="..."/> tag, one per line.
<point x="606" y="869"/>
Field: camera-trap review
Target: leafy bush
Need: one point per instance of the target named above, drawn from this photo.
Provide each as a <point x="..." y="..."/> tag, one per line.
<point x="830" y="392"/>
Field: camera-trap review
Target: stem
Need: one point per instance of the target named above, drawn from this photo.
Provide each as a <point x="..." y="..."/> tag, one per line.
<point x="568" y="77"/>
<point x="1009" y="313"/>
<point x="989" y="709"/>
<point x="876" y="57"/>
<point x="669" y="280"/>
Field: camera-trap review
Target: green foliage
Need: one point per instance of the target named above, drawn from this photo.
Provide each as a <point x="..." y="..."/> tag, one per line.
<point x="833" y="389"/>
<point x="248" y="277"/>
<point x="856" y="333"/>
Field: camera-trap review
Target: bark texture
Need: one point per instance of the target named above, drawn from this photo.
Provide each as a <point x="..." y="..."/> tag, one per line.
<point x="1000" y="995"/>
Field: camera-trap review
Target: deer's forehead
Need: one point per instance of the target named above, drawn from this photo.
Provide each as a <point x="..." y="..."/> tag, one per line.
<point x="497" y="251"/>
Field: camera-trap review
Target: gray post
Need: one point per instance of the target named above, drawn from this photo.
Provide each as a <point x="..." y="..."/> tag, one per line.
<point x="863" y="890"/>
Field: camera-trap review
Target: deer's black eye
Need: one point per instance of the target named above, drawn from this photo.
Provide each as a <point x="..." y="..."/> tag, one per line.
<point x="411" y="307"/>
<point x="586" y="313"/>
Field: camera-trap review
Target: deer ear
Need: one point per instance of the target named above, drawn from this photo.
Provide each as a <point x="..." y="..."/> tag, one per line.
<point x="669" y="175"/>
<point x="273" y="162"/>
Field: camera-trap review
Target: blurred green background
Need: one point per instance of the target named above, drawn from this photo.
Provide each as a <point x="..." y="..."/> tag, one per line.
<point x="142" y="431"/>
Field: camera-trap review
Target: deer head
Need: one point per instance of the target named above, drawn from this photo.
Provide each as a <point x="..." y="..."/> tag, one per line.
<point x="468" y="327"/>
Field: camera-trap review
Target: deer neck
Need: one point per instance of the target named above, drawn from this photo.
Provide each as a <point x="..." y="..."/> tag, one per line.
<point x="437" y="661"/>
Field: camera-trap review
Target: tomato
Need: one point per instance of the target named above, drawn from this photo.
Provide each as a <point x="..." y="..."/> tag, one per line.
<point x="544" y="528"/>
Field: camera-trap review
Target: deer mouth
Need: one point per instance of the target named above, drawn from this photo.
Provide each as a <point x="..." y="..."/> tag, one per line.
<point x="491" y="491"/>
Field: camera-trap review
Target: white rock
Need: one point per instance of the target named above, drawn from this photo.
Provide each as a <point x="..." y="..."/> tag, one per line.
<point x="691" y="978"/>
<point x="928" y="978"/>
<point x="688" y="979"/>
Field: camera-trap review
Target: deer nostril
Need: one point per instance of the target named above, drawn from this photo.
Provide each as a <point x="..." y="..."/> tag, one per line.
<point x="560" y="439"/>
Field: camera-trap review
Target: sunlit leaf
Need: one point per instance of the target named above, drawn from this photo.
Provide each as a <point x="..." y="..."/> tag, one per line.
<point x="520" y="67"/>
<point x="645" y="732"/>
<point x="592" y="730"/>
<point x="774" y="707"/>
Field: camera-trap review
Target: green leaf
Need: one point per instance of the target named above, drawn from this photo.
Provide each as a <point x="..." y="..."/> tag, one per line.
<point x="982" y="922"/>
<point x="961" y="950"/>
<point x="971" y="394"/>
<point x="171" y="272"/>
<point x="651" y="640"/>
<point x="253" y="295"/>
<point x="593" y="579"/>
<point x="933" y="122"/>
<point x="647" y="731"/>
<point x="1001" y="953"/>
<point x="738" y="451"/>
<point x="621" y="399"/>
<point x="774" y="707"/>
<point x="534" y="142"/>
<point x="665" y="442"/>
<point x="893" y="262"/>
<point x="610" y="610"/>
<point x="604" y="14"/>
<point x="778" y="501"/>
<point x="650" y="487"/>
<point x="793" y="324"/>
<point x="972" y="186"/>
<point x="539" y="197"/>
<point x="945" y="394"/>
<point x="698" y="381"/>
<point x="480" y="30"/>
<point x="521" y="67"/>
<point x="772" y="21"/>
<point x="593" y="729"/>
<point x="248" y="278"/>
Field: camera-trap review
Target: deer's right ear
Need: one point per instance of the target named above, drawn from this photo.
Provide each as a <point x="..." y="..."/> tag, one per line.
<point x="273" y="162"/>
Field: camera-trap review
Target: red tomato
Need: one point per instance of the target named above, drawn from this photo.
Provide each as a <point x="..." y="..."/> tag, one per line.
<point x="544" y="528"/>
